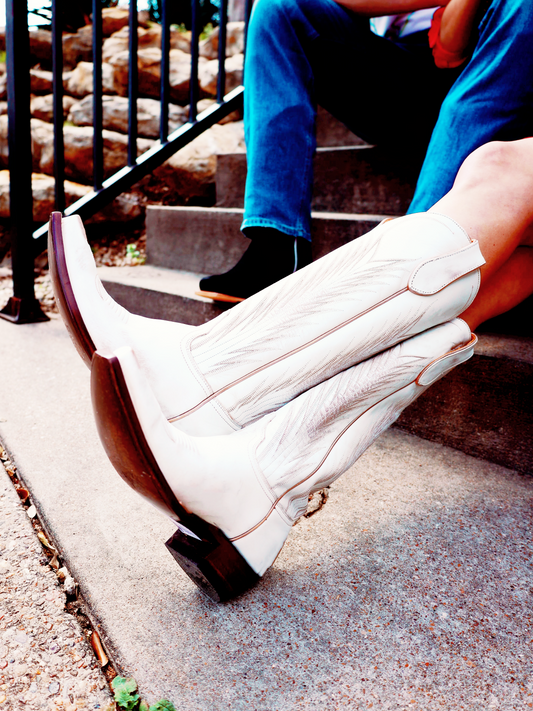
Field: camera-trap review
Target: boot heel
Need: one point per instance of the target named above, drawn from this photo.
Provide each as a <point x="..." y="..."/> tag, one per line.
<point x="201" y="549"/>
<point x="212" y="563"/>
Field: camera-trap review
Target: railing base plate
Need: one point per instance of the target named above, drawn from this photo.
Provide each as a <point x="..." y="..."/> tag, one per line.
<point x="23" y="311"/>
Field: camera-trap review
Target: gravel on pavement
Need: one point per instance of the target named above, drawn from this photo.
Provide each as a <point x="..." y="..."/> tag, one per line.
<point x="46" y="661"/>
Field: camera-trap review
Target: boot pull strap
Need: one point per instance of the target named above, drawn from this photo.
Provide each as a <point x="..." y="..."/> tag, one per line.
<point x="435" y="274"/>
<point x="447" y="362"/>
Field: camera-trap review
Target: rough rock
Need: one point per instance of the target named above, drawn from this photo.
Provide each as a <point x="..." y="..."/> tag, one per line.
<point x="114" y="45"/>
<point x="41" y="46"/>
<point x="79" y="152"/>
<point x="151" y="37"/>
<point x="41" y="81"/>
<point x="126" y="207"/>
<point x="78" y="47"/>
<point x="208" y="74"/>
<point x="66" y="79"/>
<point x="119" y="41"/>
<point x="80" y="82"/>
<point x="236" y="10"/>
<point x="113" y="19"/>
<point x="234" y="41"/>
<point x="42" y="107"/>
<point x="43" y="188"/>
<point x="191" y="171"/>
<point x="180" y="40"/>
<point x="115" y="109"/>
<point x="42" y="133"/>
<point x="78" y="149"/>
<point x="149" y="66"/>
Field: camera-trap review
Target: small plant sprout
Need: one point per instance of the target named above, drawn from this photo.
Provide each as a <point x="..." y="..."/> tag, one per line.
<point x="133" y="254"/>
<point x="127" y="697"/>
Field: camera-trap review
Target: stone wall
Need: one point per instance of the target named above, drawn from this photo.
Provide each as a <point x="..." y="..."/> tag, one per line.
<point x="187" y="177"/>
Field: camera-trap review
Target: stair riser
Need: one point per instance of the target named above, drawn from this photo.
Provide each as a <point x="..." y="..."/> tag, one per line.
<point x="210" y="242"/>
<point x="358" y="180"/>
<point x="483" y="408"/>
<point x="331" y="132"/>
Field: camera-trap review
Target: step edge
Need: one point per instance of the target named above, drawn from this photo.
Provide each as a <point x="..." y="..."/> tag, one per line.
<point x="342" y="216"/>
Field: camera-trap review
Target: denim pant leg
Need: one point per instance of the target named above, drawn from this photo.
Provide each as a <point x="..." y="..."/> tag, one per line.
<point x="491" y="100"/>
<point x="299" y="51"/>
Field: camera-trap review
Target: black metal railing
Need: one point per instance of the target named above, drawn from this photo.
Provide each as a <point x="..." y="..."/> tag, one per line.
<point x="25" y="245"/>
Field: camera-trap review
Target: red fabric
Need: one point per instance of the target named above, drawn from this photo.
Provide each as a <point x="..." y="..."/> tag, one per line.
<point x="444" y="59"/>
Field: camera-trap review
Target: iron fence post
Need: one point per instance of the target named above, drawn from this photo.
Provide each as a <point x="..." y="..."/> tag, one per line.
<point x="98" y="118"/>
<point x="59" y="144"/>
<point x="22" y="307"/>
<point x="133" y="81"/>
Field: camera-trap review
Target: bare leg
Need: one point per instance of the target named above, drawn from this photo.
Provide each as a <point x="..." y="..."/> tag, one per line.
<point x="492" y="200"/>
<point x="510" y="285"/>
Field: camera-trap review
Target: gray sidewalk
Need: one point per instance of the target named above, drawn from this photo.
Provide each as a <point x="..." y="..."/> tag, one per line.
<point x="413" y="588"/>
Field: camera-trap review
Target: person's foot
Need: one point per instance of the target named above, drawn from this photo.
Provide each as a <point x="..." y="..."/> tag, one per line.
<point x="271" y="256"/>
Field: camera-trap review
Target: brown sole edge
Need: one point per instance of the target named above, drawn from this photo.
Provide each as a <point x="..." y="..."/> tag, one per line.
<point x="64" y="293"/>
<point x="224" y="298"/>
<point x="207" y="557"/>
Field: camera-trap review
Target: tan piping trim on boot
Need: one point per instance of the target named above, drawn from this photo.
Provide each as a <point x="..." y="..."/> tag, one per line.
<point x="283" y="357"/>
<point x="454" y="351"/>
<point x="330" y="449"/>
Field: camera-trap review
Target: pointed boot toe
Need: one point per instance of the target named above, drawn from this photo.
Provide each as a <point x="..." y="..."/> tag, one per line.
<point x="96" y="322"/>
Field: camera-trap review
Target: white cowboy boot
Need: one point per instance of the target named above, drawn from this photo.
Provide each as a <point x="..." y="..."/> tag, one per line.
<point x="403" y="277"/>
<point x="235" y="498"/>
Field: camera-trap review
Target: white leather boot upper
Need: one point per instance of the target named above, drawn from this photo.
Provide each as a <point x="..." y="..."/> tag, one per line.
<point x="404" y="277"/>
<point x="254" y="483"/>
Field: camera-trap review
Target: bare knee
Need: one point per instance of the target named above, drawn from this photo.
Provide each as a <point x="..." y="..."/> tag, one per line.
<point x="503" y="165"/>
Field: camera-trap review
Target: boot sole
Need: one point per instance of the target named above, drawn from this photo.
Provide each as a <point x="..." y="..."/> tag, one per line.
<point x="215" y="296"/>
<point x="66" y="301"/>
<point x="201" y="549"/>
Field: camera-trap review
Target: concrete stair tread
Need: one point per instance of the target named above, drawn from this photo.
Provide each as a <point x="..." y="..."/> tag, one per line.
<point x="494" y="345"/>
<point x="160" y="279"/>
<point x="315" y="214"/>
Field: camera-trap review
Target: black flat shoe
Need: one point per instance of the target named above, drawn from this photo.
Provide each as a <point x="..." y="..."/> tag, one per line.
<point x="271" y="256"/>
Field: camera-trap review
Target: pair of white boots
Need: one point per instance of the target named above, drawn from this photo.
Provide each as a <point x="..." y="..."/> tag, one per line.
<point x="239" y="420"/>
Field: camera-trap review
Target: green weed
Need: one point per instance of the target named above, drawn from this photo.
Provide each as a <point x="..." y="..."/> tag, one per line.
<point x="127" y="697"/>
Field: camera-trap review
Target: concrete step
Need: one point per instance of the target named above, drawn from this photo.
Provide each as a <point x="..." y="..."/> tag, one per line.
<point x="483" y="408"/>
<point x="157" y="292"/>
<point x="355" y="179"/>
<point x="332" y="132"/>
<point x="208" y="240"/>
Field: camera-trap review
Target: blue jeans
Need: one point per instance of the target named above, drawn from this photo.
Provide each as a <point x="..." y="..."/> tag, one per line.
<point x="491" y="100"/>
<point x="304" y="52"/>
